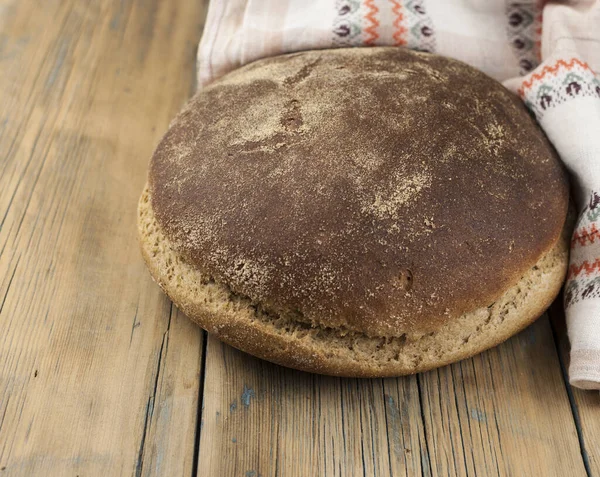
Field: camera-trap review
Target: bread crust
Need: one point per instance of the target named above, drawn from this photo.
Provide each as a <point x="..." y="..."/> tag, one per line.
<point x="279" y="338"/>
<point x="378" y="191"/>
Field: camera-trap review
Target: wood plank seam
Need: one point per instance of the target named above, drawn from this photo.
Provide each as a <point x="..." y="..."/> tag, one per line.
<point x="152" y="398"/>
<point x="427" y="453"/>
<point x="200" y="407"/>
<point x="460" y="423"/>
<point x="362" y="443"/>
<point x="9" y="285"/>
<point x="572" y="404"/>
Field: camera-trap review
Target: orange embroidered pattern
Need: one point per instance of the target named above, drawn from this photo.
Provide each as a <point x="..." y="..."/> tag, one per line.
<point x="567" y="65"/>
<point x="584" y="236"/>
<point x="539" y="21"/>
<point x="583" y="280"/>
<point x="399" y="29"/>
<point x="585" y="267"/>
<point x="371" y="30"/>
<point x="559" y="83"/>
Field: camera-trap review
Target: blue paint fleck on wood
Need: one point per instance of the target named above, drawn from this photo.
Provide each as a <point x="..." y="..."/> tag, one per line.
<point x="394" y="421"/>
<point x="247" y="394"/>
<point x="58" y="64"/>
<point x="234" y="440"/>
<point x="478" y="415"/>
<point x="233" y="405"/>
<point x="116" y="19"/>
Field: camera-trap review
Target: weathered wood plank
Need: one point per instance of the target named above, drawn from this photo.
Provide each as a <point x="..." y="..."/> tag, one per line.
<point x="168" y="443"/>
<point x="585" y="405"/>
<point x="94" y="373"/>
<point x="263" y="419"/>
<point x="504" y="412"/>
<point x="587" y="412"/>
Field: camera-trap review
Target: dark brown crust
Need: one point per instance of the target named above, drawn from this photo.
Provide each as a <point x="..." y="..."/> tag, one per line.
<point x="238" y="321"/>
<point x="379" y="190"/>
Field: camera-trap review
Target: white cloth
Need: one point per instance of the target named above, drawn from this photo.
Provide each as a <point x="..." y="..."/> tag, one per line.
<point x="546" y="52"/>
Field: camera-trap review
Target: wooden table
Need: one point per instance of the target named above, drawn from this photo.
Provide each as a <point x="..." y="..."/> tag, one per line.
<point x="101" y="375"/>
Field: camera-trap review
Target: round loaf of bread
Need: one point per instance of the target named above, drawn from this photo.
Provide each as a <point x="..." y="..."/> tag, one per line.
<point x="357" y="212"/>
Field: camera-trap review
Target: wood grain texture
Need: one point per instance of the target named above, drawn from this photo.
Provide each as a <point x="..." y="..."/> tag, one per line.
<point x="586" y="411"/>
<point x="168" y="441"/>
<point x="585" y="405"/>
<point x="263" y="419"/>
<point x="97" y="375"/>
<point x="505" y="412"/>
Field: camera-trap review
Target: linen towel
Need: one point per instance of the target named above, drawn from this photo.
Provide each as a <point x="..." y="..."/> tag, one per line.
<point x="546" y="52"/>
